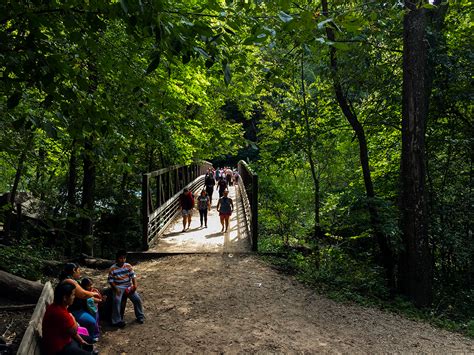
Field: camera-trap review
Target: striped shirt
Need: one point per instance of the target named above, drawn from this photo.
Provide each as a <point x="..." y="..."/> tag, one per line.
<point x="121" y="276"/>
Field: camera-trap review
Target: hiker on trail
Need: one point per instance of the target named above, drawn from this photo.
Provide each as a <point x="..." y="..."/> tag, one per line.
<point x="59" y="328"/>
<point x="123" y="281"/>
<point x="209" y="182"/>
<point x="186" y="202"/>
<point x="228" y="175"/>
<point x="204" y="205"/>
<point x="236" y="177"/>
<point x="221" y="186"/>
<point x="70" y="274"/>
<point x="225" y="206"/>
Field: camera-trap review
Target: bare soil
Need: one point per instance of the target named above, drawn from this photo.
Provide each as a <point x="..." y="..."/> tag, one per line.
<point x="224" y="303"/>
<point x="13" y="325"/>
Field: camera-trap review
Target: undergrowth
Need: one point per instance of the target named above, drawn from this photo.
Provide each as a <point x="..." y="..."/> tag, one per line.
<point x="24" y="258"/>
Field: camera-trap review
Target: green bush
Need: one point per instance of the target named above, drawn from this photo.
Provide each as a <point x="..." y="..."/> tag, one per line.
<point x="470" y="329"/>
<point x="24" y="259"/>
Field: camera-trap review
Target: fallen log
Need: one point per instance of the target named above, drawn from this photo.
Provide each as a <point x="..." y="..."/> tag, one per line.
<point x="54" y="267"/>
<point x="17" y="288"/>
<point x="95" y="263"/>
<point x="17" y="307"/>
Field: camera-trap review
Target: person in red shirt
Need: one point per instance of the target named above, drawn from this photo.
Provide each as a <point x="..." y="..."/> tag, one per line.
<point x="59" y="326"/>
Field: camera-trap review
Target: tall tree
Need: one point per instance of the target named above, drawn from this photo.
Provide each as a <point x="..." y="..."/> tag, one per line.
<point x="351" y="116"/>
<point x="416" y="260"/>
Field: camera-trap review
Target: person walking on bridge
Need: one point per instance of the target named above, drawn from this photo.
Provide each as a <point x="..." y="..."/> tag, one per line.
<point x="228" y="175"/>
<point x="204" y="205"/>
<point x="221" y="186"/>
<point x="209" y="182"/>
<point x="225" y="206"/>
<point x="186" y="202"/>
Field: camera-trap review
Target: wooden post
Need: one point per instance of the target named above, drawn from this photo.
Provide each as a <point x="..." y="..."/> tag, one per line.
<point x="254" y="207"/>
<point x="250" y="183"/>
<point x="170" y="182"/>
<point x="176" y="185"/>
<point x="158" y="191"/>
<point x="145" y="210"/>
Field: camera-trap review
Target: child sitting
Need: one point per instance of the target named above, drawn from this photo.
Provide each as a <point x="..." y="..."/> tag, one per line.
<point x="92" y="306"/>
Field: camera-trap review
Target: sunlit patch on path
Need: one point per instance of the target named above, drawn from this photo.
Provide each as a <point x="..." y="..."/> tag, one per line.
<point x="210" y="239"/>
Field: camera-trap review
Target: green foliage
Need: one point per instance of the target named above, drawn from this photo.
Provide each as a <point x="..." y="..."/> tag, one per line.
<point x="470" y="329"/>
<point x="135" y="86"/>
<point x="95" y="84"/>
<point x="24" y="259"/>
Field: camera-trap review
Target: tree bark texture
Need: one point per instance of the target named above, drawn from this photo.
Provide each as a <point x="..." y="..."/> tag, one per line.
<point x="16" y="182"/>
<point x="416" y="268"/>
<point x="88" y="188"/>
<point x="72" y="176"/>
<point x="71" y="223"/>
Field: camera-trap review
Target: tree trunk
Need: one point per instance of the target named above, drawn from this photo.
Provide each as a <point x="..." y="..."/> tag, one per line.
<point x="72" y="177"/>
<point x="71" y="223"/>
<point x="387" y="257"/>
<point x="16" y="182"/>
<point x="309" y="151"/>
<point x="88" y="188"/>
<point x="416" y="269"/>
<point x="17" y="288"/>
<point x="40" y="170"/>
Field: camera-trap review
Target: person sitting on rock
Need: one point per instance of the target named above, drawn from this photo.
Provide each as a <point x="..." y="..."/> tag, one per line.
<point x="123" y="281"/>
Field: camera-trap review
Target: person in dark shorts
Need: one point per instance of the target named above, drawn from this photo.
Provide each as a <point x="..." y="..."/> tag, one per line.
<point x="186" y="201"/>
<point x="209" y="182"/>
<point x="225" y="206"/>
<point x="221" y="186"/>
<point x="204" y="205"/>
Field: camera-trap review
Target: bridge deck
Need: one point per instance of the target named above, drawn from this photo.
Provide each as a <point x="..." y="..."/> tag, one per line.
<point x="210" y="239"/>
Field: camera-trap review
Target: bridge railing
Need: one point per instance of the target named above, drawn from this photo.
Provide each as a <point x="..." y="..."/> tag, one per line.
<point x="248" y="186"/>
<point x="160" y="196"/>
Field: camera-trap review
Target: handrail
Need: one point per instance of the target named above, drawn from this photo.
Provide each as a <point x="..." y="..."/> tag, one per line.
<point x="169" y="184"/>
<point x="248" y="186"/>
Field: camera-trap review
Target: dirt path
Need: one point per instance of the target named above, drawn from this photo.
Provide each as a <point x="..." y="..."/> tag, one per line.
<point x="237" y="304"/>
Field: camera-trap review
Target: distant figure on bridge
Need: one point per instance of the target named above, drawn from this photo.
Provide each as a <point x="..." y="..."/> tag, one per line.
<point x="204" y="205"/>
<point x="209" y="182"/>
<point x="221" y="186"/>
<point x="225" y="206"/>
<point x="228" y="175"/>
<point x="236" y="177"/>
<point x="186" y="202"/>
